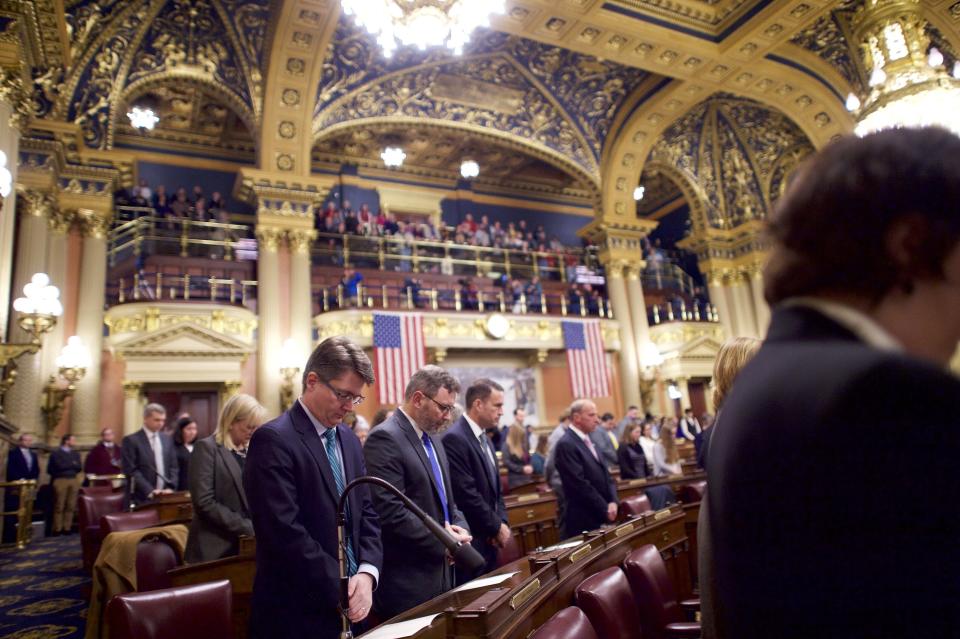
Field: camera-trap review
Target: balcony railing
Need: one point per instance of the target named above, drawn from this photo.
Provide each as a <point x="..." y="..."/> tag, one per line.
<point x="394" y="253"/>
<point x="681" y="311"/>
<point x="410" y="298"/>
<point x="660" y="276"/>
<point x="164" y="286"/>
<point x="150" y="235"/>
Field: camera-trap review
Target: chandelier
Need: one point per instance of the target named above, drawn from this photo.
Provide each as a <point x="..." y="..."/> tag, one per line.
<point x="909" y="86"/>
<point x="422" y="23"/>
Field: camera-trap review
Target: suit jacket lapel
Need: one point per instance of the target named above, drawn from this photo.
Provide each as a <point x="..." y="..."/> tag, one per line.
<point x="480" y="452"/>
<point x="145" y="443"/>
<point x="234" y="469"/>
<point x="310" y="438"/>
<point x="411" y="434"/>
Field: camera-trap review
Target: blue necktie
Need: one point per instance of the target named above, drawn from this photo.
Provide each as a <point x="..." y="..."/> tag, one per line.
<point x="331" y="447"/>
<point x="437" y="475"/>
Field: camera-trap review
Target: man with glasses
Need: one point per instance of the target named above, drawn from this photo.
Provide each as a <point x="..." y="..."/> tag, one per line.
<point x="295" y="472"/>
<point x="406" y="451"/>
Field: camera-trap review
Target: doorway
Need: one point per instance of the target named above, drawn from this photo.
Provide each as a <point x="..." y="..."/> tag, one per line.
<point x="200" y="401"/>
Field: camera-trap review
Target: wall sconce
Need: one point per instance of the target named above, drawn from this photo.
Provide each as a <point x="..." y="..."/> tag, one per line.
<point x="72" y="365"/>
<point x="39" y="309"/>
<point x="289" y="368"/>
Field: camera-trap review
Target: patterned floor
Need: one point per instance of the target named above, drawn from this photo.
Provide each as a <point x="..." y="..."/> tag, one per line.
<point x="40" y="590"/>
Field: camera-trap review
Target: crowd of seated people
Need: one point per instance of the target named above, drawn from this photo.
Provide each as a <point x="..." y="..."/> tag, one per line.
<point x="181" y="205"/>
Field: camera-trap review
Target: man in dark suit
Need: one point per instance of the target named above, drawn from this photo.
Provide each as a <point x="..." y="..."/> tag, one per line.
<point x="405" y="451"/>
<point x="587" y="485"/>
<point x="22" y="463"/>
<point x="817" y="526"/>
<point x="474" y="472"/>
<point x="296" y="469"/>
<point x="149" y="460"/>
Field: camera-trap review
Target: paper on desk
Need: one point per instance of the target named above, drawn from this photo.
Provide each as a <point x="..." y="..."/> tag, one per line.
<point x="486" y="581"/>
<point x="569" y="544"/>
<point x="400" y="629"/>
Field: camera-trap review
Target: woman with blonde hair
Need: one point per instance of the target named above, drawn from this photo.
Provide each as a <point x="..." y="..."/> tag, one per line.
<point x="516" y="456"/>
<point x="220" y="511"/>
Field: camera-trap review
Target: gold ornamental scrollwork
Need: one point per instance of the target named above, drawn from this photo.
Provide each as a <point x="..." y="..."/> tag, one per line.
<point x="300" y="241"/>
<point x="132" y="390"/>
<point x="615" y="268"/>
<point x="93" y="224"/>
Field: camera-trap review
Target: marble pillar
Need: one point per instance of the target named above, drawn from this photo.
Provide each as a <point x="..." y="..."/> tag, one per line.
<point x="9" y="144"/>
<point x="718" y="297"/>
<point x="742" y="302"/>
<point x="132" y="408"/>
<point x="629" y="367"/>
<point x="85" y="412"/>
<point x="268" y="329"/>
<point x="760" y="306"/>
<point x="638" y="306"/>
<point x="683" y="385"/>
<point x="301" y="298"/>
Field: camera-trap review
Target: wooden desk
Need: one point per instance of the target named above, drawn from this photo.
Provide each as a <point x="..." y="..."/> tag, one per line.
<point x="533" y="519"/>
<point x="546" y="581"/>
<point x="175" y="506"/>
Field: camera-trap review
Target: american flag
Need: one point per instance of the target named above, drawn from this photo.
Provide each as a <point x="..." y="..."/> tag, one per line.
<point x="589" y="376"/>
<point x="398" y="349"/>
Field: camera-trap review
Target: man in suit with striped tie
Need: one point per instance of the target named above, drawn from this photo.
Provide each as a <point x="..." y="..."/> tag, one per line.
<point x="296" y="470"/>
<point x="406" y="451"/>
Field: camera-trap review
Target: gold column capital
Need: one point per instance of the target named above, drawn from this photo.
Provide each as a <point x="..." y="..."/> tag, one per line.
<point x="615" y="268"/>
<point x="231" y="388"/>
<point x="268" y="238"/>
<point x="132" y="390"/>
<point x="14" y="93"/>
<point x="59" y="221"/>
<point x="632" y="270"/>
<point x="36" y="203"/>
<point x="300" y="240"/>
<point x="93" y="224"/>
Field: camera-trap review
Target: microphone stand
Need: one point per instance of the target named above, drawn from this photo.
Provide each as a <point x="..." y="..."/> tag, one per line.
<point x="464" y="555"/>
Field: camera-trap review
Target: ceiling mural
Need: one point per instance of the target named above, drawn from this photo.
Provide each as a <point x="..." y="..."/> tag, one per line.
<point x="738" y="153"/>
<point x="553" y="97"/>
<point x="119" y="45"/>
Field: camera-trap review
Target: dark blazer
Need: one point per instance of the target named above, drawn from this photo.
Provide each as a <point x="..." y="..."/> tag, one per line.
<point x="811" y="493"/>
<point x="220" y="511"/>
<point x="587" y="485"/>
<point x="138" y="463"/>
<point x="415" y="567"/>
<point x="601" y="440"/>
<point x="293" y="501"/>
<point x="64" y="464"/>
<point x="17" y="465"/>
<point x="183" y="464"/>
<point x="633" y="461"/>
<point x="476" y="487"/>
<point x="515" y="464"/>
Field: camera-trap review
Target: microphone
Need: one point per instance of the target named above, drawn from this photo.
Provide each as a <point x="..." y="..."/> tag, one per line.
<point x="464" y="555"/>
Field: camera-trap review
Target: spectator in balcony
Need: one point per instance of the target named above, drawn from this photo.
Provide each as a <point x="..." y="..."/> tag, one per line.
<point x="345" y="209"/>
<point x="215" y="205"/>
<point x="481" y="236"/>
<point x="471" y="225"/>
<point x="137" y="198"/>
<point x="351" y="223"/>
<point x="351" y="286"/>
<point x="180" y="207"/>
<point x="516" y="295"/>
<point x="145" y="191"/>
<point x="534" y="292"/>
<point x="390" y="226"/>
<point x="366" y="221"/>
<point x="469" y="295"/>
<point x="197" y="193"/>
<point x="574" y="299"/>
<point x="161" y="201"/>
<point x="412" y="288"/>
<point x="497" y="233"/>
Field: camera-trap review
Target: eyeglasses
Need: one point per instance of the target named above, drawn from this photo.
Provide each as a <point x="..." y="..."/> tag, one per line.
<point x="344" y="396"/>
<point x="444" y="408"/>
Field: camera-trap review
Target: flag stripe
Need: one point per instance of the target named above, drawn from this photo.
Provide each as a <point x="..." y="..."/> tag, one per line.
<point x="399" y="352"/>
<point x="586" y="358"/>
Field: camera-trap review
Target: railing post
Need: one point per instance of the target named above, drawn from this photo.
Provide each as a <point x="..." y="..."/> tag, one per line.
<point x="227" y="246"/>
<point x="186" y="287"/>
<point x="339" y="295"/>
<point x="506" y="262"/>
<point x="669" y="312"/>
<point x="158" y="291"/>
<point x="346" y="250"/>
<point x="536" y="264"/>
<point x="480" y="300"/>
<point x="656" y="313"/>
<point x="409" y="298"/>
<point x="583" y="305"/>
<point x="456" y="300"/>
<point x="523" y="303"/>
<point x="120" y="295"/>
<point x="381" y="255"/>
<point x="543" y="303"/>
<point x="136" y="286"/>
<point x="359" y="295"/>
<point x="326" y="299"/>
<point x="385" y="299"/>
<point x="434" y="299"/>
<point x="696" y="312"/>
<point x="214" y="286"/>
<point x="503" y="303"/>
<point x="683" y="311"/>
<point x="184" y="238"/>
<point x="563" y="305"/>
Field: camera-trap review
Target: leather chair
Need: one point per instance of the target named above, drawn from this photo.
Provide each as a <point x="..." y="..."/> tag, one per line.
<point x="569" y="623"/>
<point x="95" y="490"/>
<point x="634" y="505"/>
<point x="155" y="557"/>
<point x="692" y="493"/>
<point x="660" y="614"/>
<point x="607" y="601"/>
<point x="138" y="520"/>
<point x="90" y="508"/>
<point x="510" y="552"/>
<point x="203" y="611"/>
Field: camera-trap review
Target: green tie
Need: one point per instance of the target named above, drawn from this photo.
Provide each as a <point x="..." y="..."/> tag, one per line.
<point x="331" y="447"/>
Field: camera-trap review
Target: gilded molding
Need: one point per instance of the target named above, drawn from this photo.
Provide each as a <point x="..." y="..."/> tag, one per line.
<point x="300" y="241"/>
<point x="93" y="224"/>
<point x="132" y="390"/>
<point x="269" y="238"/>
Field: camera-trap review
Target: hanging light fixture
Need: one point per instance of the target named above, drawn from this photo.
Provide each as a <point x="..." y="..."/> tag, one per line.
<point x="909" y="87"/>
<point x="142" y="118"/>
<point x="469" y="169"/>
<point x="638" y="193"/>
<point x="422" y="23"/>
<point x="393" y="156"/>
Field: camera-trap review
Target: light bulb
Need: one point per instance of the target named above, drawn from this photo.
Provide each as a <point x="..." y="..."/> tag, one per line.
<point x="878" y="77"/>
<point x="853" y="102"/>
<point x="40" y="279"/>
<point x="638" y="193"/>
<point x="935" y="58"/>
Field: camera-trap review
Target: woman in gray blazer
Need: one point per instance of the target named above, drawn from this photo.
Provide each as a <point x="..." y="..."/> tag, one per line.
<point x="220" y="511"/>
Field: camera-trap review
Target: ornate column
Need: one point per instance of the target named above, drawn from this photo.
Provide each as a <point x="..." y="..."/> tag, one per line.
<point x="268" y="328"/>
<point x="132" y="407"/>
<point x="760" y="306"/>
<point x="718" y="297"/>
<point x="744" y="317"/>
<point x="629" y="362"/>
<point x="58" y="225"/>
<point x="9" y="144"/>
<point x="85" y="413"/>
<point x="683" y="385"/>
<point x="22" y="402"/>
<point x="301" y="297"/>
<point x="638" y="305"/>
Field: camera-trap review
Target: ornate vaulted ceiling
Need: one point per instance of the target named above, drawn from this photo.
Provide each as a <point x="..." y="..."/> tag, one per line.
<point x="592" y="88"/>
